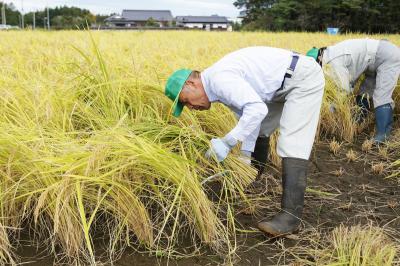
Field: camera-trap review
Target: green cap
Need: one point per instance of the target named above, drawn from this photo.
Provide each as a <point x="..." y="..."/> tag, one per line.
<point x="313" y="52"/>
<point x="174" y="87"/>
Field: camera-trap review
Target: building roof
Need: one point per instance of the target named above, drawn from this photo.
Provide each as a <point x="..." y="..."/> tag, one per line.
<point x="145" y="15"/>
<point x="202" y="19"/>
<point x="114" y="17"/>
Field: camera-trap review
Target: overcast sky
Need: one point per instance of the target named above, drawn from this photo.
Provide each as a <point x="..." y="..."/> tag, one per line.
<point x="178" y="7"/>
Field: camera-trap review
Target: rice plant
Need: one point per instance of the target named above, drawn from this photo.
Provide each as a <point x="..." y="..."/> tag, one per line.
<point x="394" y="145"/>
<point x="98" y="156"/>
<point x="358" y="245"/>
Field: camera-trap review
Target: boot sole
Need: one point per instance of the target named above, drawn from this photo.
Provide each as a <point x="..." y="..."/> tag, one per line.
<point x="270" y="231"/>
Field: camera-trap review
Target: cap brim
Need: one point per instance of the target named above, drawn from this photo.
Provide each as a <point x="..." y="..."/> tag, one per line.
<point x="178" y="108"/>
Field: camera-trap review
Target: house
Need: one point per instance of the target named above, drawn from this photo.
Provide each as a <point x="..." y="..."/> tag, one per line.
<point x="140" y="18"/>
<point x="213" y="22"/>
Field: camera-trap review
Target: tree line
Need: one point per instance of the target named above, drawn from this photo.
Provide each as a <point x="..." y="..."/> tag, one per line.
<point x="62" y="17"/>
<point x="368" y="16"/>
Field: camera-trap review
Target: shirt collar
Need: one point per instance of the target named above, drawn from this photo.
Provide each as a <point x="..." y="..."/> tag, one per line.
<point x="205" y="79"/>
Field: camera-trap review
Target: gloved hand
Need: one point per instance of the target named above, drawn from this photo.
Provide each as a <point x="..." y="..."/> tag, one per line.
<point x="220" y="148"/>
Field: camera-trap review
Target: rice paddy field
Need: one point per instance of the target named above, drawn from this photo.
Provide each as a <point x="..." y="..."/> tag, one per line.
<point x="95" y="170"/>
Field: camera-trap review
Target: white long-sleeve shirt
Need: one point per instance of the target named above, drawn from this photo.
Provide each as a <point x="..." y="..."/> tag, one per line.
<point x="347" y="60"/>
<point x="244" y="81"/>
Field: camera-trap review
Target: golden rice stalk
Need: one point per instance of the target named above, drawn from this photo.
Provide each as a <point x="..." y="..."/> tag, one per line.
<point x="351" y="155"/>
<point x="334" y="147"/>
<point x="6" y="250"/>
<point x="358" y="245"/>
<point x="367" y="145"/>
<point x="379" y="168"/>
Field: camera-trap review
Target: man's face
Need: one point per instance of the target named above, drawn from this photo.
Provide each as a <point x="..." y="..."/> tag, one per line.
<point x="193" y="96"/>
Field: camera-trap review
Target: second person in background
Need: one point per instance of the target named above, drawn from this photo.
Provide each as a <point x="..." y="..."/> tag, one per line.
<point x="379" y="60"/>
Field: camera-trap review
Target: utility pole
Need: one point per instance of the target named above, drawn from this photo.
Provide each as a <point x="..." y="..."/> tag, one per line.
<point x="3" y="14"/>
<point x="22" y="15"/>
<point x="48" y="19"/>
<point x="34" y="20"/>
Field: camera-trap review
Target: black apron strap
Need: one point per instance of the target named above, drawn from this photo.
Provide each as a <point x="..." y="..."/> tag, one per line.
<point x="290" y="70"/>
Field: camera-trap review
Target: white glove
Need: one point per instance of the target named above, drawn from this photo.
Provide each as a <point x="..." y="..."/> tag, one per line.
<point x="220" y="148"/>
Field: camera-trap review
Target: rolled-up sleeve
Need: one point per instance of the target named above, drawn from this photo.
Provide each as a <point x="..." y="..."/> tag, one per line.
<point x="234" y="91"/>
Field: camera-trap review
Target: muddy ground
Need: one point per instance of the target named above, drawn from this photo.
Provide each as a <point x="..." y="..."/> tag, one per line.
<point x="340" y="192"/>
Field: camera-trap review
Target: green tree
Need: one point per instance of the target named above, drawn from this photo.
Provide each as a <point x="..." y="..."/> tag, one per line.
<point x="152" y="23"/>
<point x="99" y="19"/>
<point x="12" y="14"/>
<point x="62" y="18"/>
<point x="372" y="16"/>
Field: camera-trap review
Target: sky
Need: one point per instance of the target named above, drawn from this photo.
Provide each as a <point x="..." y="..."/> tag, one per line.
<point x="178" y="7"/>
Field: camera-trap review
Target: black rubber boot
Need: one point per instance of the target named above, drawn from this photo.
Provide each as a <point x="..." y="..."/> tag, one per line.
<point x="294" y="181"/>
<point x="260" y="154"/>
